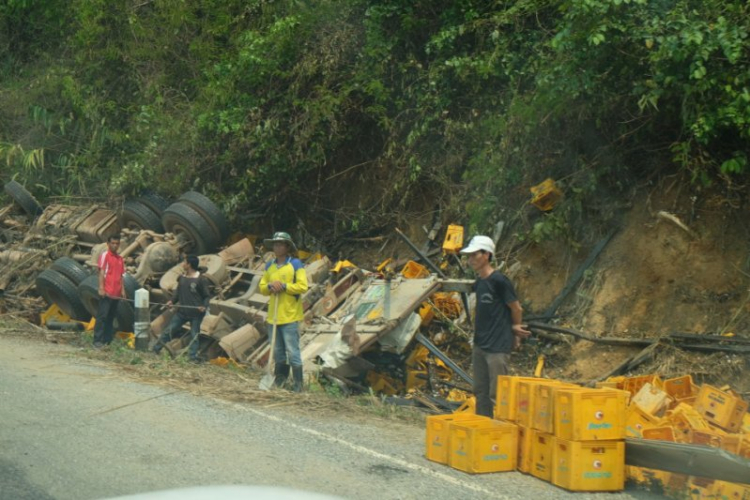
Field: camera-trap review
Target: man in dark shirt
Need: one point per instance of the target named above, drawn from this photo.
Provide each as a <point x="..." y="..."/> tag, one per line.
<point x="497" y="328"/>
<point x="192" y="294"/>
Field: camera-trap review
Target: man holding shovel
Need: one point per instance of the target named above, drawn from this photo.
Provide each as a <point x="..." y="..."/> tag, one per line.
<point x="285" y="281"/>
<point x="192" y="295"/>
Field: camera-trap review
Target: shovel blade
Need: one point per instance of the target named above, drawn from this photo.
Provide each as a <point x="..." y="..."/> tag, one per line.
<point x="266" y="383"/>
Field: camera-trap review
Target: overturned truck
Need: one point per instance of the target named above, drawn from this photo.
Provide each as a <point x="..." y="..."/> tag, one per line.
<point x="358" y="324"/>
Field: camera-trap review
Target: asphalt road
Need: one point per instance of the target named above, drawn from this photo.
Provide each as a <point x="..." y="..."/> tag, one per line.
<point x="72" y="429"/>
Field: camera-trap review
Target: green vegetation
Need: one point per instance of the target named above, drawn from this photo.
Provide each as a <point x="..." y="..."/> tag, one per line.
<point x="268" y="105"/>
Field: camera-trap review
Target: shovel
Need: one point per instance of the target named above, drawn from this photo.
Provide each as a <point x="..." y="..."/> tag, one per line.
<point x="266" y="383"/>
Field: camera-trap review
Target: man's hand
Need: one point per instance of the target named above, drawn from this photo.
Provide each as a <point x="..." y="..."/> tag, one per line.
<point x="202" y="309"/>
<point x="101" y="293"/>
<point x="276" y="287"/>
<point x="520" y="331"/>
<point x="169" y="304"/>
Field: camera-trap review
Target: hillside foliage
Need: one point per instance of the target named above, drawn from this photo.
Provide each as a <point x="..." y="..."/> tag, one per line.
<point x="270" y="106"/>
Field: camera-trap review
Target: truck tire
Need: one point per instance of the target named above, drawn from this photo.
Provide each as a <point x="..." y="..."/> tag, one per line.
<point x="138" y="216"/>
<point x="182" y="219"/>
<point x="158" y="204"/>
<point x="71" y="269"/>
<point x="211" y="212"/>
<point x="59" y="290"/>
<point x="23" y="198"/>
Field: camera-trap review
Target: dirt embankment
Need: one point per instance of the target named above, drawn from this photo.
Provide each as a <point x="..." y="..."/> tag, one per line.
<point x="653" y="278"/>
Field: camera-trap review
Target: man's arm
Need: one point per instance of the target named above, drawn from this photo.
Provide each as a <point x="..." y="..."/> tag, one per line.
<point x="516" y="315"/>
<point x="101" y="282"/>
<point x="264" y="282"/>
<point x="300" y="283"/>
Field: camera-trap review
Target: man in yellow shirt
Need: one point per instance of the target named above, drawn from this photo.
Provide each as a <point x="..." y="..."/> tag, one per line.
<point x="285" y="281"/>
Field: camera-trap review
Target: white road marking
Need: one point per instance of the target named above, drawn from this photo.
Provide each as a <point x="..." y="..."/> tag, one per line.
<point x="376" y="454"/>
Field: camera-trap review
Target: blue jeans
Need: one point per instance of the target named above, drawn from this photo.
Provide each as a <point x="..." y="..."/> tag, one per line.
<point x="175" y="325"/>
<point x="286" y="350"/>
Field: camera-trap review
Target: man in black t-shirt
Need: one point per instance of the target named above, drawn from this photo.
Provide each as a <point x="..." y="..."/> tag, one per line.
<point x="498" y="327"/>
<point x="193" y="297"/>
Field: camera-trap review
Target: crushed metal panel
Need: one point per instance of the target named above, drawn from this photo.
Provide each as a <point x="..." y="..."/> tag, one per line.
<point x="337" y="294"/>
<point x="240" y="343"/>
<point x="400" y="337"/>
<point x="402" y="297"/>
<point x="690" y="459"/>
<point x="316" y="344"/>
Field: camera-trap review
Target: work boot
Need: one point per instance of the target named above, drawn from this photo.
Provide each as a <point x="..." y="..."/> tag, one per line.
<point x="298" y="379"/>
<point x="281" y="373"/>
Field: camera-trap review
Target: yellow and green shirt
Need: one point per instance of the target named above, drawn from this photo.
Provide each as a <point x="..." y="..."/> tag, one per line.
<point x="292" y="274"/>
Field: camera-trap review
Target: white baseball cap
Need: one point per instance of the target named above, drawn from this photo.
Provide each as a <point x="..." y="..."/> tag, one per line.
<point x="480" y="243"/>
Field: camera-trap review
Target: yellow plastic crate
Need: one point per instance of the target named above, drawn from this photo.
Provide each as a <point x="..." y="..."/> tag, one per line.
<point x="645" y="476"/>
<point x="454" y="239"/>
<point x="542" y="449"/>
<point x="746" y="423"/>
<point x="505" y="397"/>
<point x="700" y="488"/>
<point x="664" y="433"/>
<point x="680" y="387"/>
<point x="543" y="406"/>
<point x="479" y="447"/>
<point x="634" y="384"/>
<point x="684" y="419"/>
<point x="612" y="383"/>
<point x="546" y="195"/>
<point x="744" y="449"/>
<point x="731" y="491"/>
<point x="525" y="436"/>
<point x="437" y="440"/>
<point x="721" y="408"/>
<point x="637" y="420"/>
<point x="590" y="414"/>
<point x="732" y="443"/>
<point x="414" y="270"/>
<point x="589" y="465"/>
<point x="525" y="398"/>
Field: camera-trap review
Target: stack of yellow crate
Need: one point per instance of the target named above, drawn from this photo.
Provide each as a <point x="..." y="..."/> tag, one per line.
<point x="471" y="443"/>
<point x="699" y="415"/>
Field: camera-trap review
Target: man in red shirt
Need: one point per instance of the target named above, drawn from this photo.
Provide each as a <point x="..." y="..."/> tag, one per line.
<point x="111" y="290"/>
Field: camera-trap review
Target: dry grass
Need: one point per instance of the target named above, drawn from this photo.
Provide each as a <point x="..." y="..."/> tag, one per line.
<point x="235" y="384"/>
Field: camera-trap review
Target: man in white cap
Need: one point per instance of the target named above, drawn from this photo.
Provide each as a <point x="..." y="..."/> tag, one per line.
<point x="498" y="327"/>
<point x="285" y="281"/>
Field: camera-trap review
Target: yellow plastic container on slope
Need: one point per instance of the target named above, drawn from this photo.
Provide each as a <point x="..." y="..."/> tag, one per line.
<point x="589" y="465"/>
<point x="542" y="449"/>
<point x="479" y="447"/>
<point x="590" y="414"/>
<point x="506" y="397"/>
<point x="721" y="408"/>
<point x="437" y="441"/>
